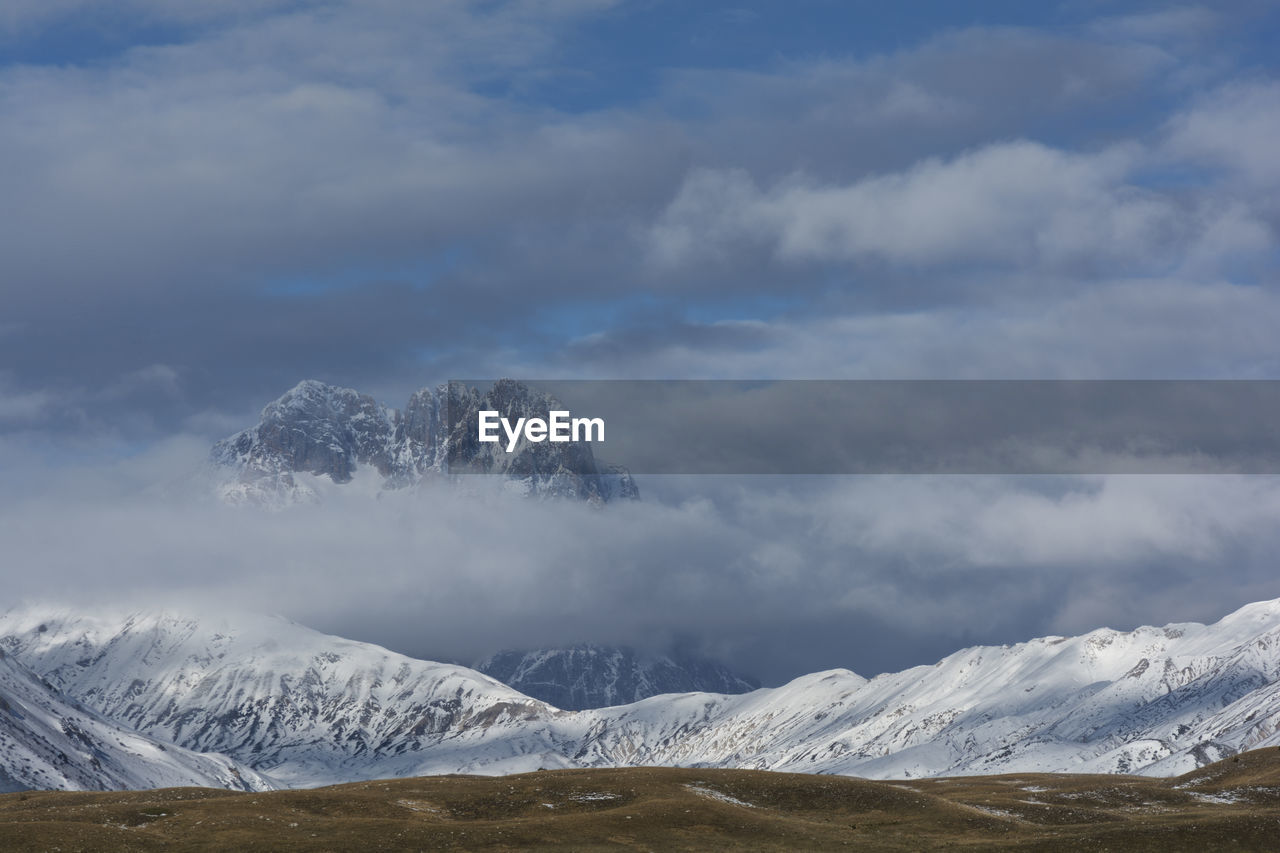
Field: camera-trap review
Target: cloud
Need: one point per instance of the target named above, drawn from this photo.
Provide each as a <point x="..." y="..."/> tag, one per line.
<point x="1139" y="328"/>
<point x="1007" y="205"/>
<point x="17" y="407"/>
<point x="322" y="136"/>
<point x="31" y="17"/>
<point x="803" y="566"/>
<point x="1175" y="24"/>
<point x="845" y="116"/>
<point x="1233" y="128"/>
<point x="25" y="18"/>
<point x="272" y="192"/>
<point x="1017" y="203"/>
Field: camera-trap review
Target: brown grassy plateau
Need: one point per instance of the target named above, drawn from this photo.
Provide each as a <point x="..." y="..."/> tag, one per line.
<point x="1232" y="805"/>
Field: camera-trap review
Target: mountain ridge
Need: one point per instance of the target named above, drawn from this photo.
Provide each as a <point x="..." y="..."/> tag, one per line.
<point x="310" y="709"/>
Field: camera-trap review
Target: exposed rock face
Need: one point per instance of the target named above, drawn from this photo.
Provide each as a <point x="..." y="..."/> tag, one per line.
<point x="331" y="432"/>
<point x="315" y="428"/>
<point x="589" y="676"/>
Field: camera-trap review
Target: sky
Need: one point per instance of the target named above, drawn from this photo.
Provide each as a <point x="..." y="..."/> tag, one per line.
<point x="206" y="202"/>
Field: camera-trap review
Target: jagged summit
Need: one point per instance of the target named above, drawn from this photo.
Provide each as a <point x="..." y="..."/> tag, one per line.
<point x="315" y="430"/>
<point x="591" y="676"/>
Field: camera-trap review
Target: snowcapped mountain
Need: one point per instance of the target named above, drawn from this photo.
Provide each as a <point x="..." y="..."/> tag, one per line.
<point x="322" y="431"/>
<point x="1159" y="701"/>
<point x="590" y="676"/>
<point x="309" y="709"/>
<point x="48" y="741"/>
<point x="303" y="706"/>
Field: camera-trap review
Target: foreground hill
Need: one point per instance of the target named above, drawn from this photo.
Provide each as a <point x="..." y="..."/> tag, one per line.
<point x="1231" y="805"/>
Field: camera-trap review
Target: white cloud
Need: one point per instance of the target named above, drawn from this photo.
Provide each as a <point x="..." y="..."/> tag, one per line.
<point x="1014" y="203"/>
<point x="1234" y="128"/>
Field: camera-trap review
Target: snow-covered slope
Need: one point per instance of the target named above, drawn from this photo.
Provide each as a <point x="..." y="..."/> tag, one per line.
<point x="307" y="708"/>
<point x="591" y="676"/>
<point x="1155" y="700"/>
<point x="48" y="741"/>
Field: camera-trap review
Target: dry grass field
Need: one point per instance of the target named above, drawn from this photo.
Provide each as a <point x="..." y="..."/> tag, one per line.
<point x="1232" y="805"/>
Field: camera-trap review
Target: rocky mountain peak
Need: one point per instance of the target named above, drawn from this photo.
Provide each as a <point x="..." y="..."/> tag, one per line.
<point x="321" y="430"/>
